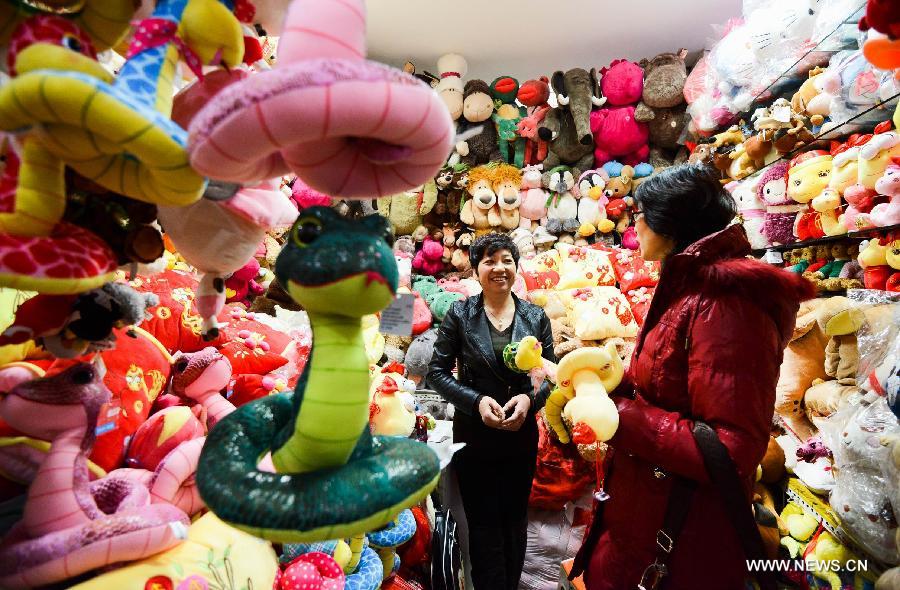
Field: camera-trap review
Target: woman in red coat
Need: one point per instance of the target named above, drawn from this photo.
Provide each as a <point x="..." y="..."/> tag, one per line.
<point x="710" y="350"/>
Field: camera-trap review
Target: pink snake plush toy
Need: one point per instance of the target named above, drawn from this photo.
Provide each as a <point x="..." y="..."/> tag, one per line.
<point x="349" y="127"/>
<point x="70" y="525"/>
<point x="196" y="378"/>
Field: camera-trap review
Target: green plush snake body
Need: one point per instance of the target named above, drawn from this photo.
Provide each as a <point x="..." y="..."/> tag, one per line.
<point x="334" y="479"/>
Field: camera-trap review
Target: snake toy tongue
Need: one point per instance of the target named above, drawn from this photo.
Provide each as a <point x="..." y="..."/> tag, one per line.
<point x="334" y="479"/>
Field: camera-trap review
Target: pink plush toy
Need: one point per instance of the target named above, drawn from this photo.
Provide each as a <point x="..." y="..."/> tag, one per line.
<point x="70" y="525"/>
<point x="350" y="128"/>
<point x="889" y="185"/>
<point x="533" y="206"/>
<point x="197" y="378"/>
<point x="629" y="239"/>
<point x="428" y="260"/>
<point x="860" y="201"/>
<point x="302" y="196"/>
<point x="617" y="135"/>
<point x="241" y="286"/>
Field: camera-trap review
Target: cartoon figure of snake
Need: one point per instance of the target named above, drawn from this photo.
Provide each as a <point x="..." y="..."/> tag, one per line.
<point x="334" y="478"/>
<point x="71" y="525"/>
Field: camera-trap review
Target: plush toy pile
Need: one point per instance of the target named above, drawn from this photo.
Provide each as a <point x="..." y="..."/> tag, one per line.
<point x="145" y="323"/>
<point x="196" y="245"/>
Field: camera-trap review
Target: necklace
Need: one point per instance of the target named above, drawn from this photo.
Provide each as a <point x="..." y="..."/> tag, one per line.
<point x="501" y="321"/>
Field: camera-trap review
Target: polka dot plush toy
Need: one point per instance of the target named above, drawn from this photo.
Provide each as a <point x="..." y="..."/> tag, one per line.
<point x="311" y="571"/>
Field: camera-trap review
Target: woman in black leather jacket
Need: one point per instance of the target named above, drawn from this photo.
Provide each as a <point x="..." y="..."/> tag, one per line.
<point x="495" y="411"/>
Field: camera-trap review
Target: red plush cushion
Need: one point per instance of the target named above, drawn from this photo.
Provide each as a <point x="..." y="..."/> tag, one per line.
<point x="639" y="300"/>
<point x="632" y="271"/>
<point x="540" y="280"/>
<point x="250" y="346"/>
<point x="562" y="474"/>
<point x="137" y="371"/>
<point x="174" y="321"/>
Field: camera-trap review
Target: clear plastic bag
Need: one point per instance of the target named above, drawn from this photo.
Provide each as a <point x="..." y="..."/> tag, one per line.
<point x="878" y="339"/>
<point x="863" y="495"/>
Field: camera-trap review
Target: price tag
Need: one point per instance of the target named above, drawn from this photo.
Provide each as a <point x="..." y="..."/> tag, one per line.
<point x="398" y="316"/>
<point x="108" y="418"/>
<point x="773" y="257"/>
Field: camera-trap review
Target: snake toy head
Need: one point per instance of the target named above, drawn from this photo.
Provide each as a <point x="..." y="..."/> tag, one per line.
<point x="333" y="265"/>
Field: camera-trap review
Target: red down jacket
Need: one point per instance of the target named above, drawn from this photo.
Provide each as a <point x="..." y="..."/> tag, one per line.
<point x="710" y="349"/>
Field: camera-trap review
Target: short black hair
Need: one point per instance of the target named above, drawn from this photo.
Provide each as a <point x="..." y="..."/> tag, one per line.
<point x="490" y="244"/>
<point x="685" y="203"/>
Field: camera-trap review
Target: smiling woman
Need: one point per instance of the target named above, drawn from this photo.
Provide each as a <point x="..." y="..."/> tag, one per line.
<point x="497" y="407"/>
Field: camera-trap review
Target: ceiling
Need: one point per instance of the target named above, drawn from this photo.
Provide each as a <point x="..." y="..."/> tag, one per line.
<point x="525" y="39"/>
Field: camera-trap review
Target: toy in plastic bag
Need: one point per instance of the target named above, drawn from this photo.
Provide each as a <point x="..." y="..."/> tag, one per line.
<point x="856" y="435"/>
<point x="879" y="345"/>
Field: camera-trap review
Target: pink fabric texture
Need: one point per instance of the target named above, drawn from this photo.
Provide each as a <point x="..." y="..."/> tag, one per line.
<point x="70" y="525"/>
<point x="348" y="127"/>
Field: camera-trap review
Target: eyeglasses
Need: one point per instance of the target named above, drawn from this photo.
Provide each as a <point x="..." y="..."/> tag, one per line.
<point x="638" y="213"/>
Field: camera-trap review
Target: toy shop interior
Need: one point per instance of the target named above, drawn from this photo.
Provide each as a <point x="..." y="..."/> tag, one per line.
<point x="264" y="363"/>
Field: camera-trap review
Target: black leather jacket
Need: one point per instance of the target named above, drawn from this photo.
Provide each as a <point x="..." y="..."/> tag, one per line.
<point x="464" y="338"/>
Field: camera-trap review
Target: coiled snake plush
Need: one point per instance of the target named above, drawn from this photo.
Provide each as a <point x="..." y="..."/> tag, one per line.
<point x="334" y="478"/>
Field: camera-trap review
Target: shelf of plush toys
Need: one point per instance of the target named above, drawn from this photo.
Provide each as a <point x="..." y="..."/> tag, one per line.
<point x="812" y="54"/>
<point x="834" y="456"/>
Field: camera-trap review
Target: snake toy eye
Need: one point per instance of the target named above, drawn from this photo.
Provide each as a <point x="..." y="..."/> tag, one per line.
<point x="306" y="231"/>
<point x="70" y="42"/>
<point x="83" y="376"/>
<point x="181" y="365"/>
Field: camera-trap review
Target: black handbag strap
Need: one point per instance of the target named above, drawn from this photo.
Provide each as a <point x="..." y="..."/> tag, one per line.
<point x="583" y="557"/>
<point x="724" y="475"/>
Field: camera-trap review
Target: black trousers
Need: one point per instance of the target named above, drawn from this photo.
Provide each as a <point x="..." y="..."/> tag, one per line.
<point x="495" y="488"/>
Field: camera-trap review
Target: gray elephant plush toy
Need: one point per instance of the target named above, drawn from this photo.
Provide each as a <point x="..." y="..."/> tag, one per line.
<point x="568" y="126"/>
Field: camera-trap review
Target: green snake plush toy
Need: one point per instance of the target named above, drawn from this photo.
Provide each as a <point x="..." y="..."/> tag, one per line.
<point x="334" y="479"/>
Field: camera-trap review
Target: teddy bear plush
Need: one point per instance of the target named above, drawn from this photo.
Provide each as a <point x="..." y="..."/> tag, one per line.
<point x="481" y="212"/>
<point x="568" y="126"/>
<point x="662" y="107"/>
<point x="506" y="181"/>
<point x="666" y="128"/>
<point x="618" y="191"/>
<point x="406" y="210"/>
<point x="460" y="260"/>
<point x="478" y="106"/>
<point x="451" y="185"/>
<point x="617" y="134"/>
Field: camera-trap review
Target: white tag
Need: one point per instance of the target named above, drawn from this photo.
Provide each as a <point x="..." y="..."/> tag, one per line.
<point x="398" y="316"/>
<point x="773" y="257"/>
<point x="782" y="114"/>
